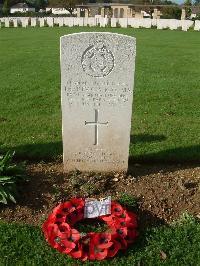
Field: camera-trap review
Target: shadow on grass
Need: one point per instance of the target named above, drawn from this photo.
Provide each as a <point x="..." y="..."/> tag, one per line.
<point x="51" y="151"/>
<point x="171" y="159"/>
<point x="37" y="152"/>
<point x="146" y="138"/>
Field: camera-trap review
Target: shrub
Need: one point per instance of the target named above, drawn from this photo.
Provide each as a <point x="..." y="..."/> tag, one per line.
<point x="10" y="176"/>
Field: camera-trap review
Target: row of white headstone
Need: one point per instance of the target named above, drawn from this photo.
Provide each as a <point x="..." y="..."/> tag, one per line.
<point x="51" y="21"/>
<point x="171" y="24"/>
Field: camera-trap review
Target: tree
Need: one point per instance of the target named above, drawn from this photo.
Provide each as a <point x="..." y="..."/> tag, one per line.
<point x="67" y="4"/>
<point x="38" y="4"/>
<point x="188" y="2"/>
<point x="5" y="8"/>
<point x="197" y="2"/>
<point x="171" y="12"/>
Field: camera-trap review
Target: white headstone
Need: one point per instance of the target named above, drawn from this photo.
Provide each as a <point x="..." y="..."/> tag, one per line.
<point x="154" y="22"/>
<point x="24" y="22"/>
<point x="173" y="25"/>
<point x="123" y="22"/>
<point x="55" y="20"/>
<point x="146" y="23"/>
<point x="33" y="22"/>
<point x="114" y="22"/>
<point x="41" y="21"/>
<point x="79" y="21"/>
<point x="15" y="22"/>
<point x="50" y="21"/>
<point x="103" y="22"/>
<point x="97" y="78"/>
<point x="7" y="22"/>
<point x="75" y="21"/>
<point x="91" y="21"/>
<point x="197" y="25"/>
<point x="61" y="22"/>
<point x="134" y="22"/>
<point x="69" y="21"/>
<point x="184" y="25"/>
<point x="85" y="21"/>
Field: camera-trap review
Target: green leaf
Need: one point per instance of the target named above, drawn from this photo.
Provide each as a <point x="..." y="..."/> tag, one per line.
<point x="5" y="178"/>
<point x="12" y="198"/>
<point x="3" y="196"/>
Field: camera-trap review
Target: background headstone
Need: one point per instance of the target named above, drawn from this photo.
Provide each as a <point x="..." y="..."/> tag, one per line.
<point x="123" y="22"/>
<point x="50" y="21"/>
<point x="97" y="78"/>
<point x="197" y="25"/>
<point x="7" y="22"/>
<point x="114" y="22"/>
<point x="146" y="23"/>
<point x="91" y="21"/>
<point x="85" y="21"/>
<point x="173" y="25"/>
<point x="71" y="22"/>
<point x="41" y="21"/>
<point x="79" y="21"/>
<point x="24" y="22"/>
<point x="61" y="22"/>
<point x="15" y="22"/>
<point x="33" y="22"/>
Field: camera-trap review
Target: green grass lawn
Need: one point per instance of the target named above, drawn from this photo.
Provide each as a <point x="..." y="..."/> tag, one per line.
<point x="173" y="245"/>
<point x="165" y="127"/>
<point x="166" y="113"/>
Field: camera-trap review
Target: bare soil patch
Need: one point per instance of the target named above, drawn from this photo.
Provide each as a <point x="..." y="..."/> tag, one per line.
<point x="164" y="192"/>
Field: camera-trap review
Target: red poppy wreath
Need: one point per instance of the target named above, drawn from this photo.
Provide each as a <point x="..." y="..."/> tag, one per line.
<point x="60" y="233"/>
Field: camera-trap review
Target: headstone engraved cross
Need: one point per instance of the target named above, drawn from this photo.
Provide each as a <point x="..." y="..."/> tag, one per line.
<point x="96" y="123"/>
<point x="97" y="80"/>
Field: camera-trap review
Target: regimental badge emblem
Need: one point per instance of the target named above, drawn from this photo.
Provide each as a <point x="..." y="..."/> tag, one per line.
<point x="97" y="60"/>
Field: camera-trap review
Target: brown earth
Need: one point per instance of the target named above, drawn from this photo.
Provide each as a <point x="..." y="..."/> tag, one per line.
<point x="163" y="192"/>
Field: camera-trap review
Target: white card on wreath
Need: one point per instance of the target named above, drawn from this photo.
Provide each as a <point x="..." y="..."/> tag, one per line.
<point x="95" y="208"/>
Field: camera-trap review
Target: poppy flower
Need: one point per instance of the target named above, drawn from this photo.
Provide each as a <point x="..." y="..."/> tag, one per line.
<point x="51" y="234"/>
<point x="132" y="219"/>
<point x="110" y="220"/>
<point x="122" y="231"/>
<point x="69" y="245"/>
<point x="101" y="254"/>
<point x="102" y="240"/>
<point x="96" y="253"/>
<point x="51" y="220"/>
<point x="116" y="209"/>
<point x="86" y="246"/>
<point x="64" y="231"/>
<point x="67" y="207"/>
<point x="121" y="241"/>
<point x="76" y="253"/>
<point x="125" y="219"/>
<point x="112" y="251"/>
<point x="78" y="203"/>
<point x="75" y="216"/>
<point x="57" y="216"/>
<point x="75" y="235"/>
<point x="132" y="234"/>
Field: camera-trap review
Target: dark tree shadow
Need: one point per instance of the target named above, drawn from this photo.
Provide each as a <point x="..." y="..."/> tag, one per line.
<point x="165" y="161"/>
<point x="37" y="152"/>
<point x="146" y="138"/>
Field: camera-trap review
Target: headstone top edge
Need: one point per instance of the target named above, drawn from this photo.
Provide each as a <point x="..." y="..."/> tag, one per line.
<point x="97" y="32"/>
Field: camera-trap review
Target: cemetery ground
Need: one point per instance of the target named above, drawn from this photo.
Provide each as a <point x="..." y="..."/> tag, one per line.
<point x="164" y="172"/>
